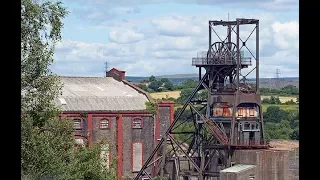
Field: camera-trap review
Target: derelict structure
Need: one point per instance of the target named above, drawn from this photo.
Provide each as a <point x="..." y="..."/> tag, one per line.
<point x="230" y="118"/>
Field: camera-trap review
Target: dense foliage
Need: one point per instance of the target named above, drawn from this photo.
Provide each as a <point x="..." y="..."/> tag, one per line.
<point x="280" y="124"/>
<point x="47" y="144"/>
<point x="288" y="90"/>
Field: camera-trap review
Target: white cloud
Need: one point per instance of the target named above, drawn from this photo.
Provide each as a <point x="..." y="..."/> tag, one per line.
<point x="177" y="26"/>
<point x="125" y="36"/>
<point x="286" y="34"/>
<point x="281" y="5"/>
<point x="166" y="45"/>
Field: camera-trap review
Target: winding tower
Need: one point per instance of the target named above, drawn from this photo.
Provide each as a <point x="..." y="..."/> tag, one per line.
<point x="228" y="118"/>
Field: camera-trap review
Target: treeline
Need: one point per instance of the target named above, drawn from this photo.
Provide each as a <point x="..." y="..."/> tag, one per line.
<point x="162" y="85"/>
<point x="276" y="100"/>
<point x="289" y="90"/>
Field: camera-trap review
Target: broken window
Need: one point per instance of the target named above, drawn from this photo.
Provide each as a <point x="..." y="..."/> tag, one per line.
<point x="76" y="124"/>
<point x="137" y="123"/>
<point x="104" y="123"/>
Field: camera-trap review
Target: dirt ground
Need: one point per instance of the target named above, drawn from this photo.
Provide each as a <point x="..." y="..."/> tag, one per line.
<point x="284" y="144"/>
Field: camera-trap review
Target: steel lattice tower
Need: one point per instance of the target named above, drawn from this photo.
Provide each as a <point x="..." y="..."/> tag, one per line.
<point x="229" y="118"/>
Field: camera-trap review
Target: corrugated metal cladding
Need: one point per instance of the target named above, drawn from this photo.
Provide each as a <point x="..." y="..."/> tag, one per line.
<point x="99" y="94"/>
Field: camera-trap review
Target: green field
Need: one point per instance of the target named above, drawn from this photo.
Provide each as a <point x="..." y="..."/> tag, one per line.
<point x="283" y="107"/>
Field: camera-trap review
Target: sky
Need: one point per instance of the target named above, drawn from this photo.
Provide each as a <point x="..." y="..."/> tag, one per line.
<point x="160" y="37"/>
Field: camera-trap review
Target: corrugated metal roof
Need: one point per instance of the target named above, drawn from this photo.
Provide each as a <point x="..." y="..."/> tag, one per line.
<point x="238" y="168"/>
<point x="99" y="94"/>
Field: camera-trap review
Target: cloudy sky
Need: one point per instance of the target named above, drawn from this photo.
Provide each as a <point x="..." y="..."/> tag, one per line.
<point x="160" y="37"/>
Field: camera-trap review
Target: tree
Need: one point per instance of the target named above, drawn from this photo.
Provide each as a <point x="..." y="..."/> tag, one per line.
<point x="275" y="114"/>
<point x="152" y="78"/>
<point x="47" y="143"/>
<point x="41" y="25"/>
<point x="154" y="85"/>
<point x="190" y="83"/>
<point x="167" y="84"/>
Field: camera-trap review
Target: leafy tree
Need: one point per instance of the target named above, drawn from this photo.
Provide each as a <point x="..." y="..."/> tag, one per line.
<point x="47" y="143"/>
<point x="155" y="85"/>
<point x="169" y="86"/>
<point x="190" y="83"/>
<point x="291" y="102"/>
<point x="152" y="78"/>
<point x="184" y="95"/>
<point x="295" y="134"/>
<point x="143" y="86"/>
<point x="275" y="114"/>
<point x="271" y="100"/>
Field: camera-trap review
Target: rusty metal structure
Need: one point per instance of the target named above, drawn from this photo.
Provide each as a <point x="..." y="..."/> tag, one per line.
<point x="230" y="118"/>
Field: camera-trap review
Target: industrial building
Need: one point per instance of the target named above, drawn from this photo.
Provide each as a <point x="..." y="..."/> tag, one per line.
<point x="112" y="108"/>
<point x="223" y="138"/>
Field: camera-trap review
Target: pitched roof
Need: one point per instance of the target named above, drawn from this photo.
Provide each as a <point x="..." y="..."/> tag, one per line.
<point x="99" y="94"/>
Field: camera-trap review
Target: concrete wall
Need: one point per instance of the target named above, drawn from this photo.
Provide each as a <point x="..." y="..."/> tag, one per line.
<point x="242" y="175"/>
<point x="271" y="164"/>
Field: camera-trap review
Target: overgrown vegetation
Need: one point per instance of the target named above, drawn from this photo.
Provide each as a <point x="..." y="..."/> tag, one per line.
<point x="152" y="107"/>
<point x="281" y="124"/>
<point x="276" y="100"/>
<point x="288" y="90"/>
<point x="47" y="144"/>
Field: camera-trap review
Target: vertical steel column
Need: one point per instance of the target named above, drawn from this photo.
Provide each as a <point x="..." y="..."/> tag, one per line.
<point x="257" y="58"/>
<point x="238" y="54"/>
<point x="209" y="36"/>
<point x="199" y="73"/>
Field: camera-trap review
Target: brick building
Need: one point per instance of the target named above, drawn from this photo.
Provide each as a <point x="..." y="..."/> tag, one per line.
<point x="113" y="108"/>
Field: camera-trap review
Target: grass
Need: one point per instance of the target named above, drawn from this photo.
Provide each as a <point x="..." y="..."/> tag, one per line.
<point x="283" y="99"/>
<point x="176" y="94"/>
<point x="160" y="95"/>
<point x="283" y="107"/>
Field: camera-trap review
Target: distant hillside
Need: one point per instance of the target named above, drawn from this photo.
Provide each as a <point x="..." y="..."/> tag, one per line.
<point x="264" y="82"/>
<point x="179" y="76"/>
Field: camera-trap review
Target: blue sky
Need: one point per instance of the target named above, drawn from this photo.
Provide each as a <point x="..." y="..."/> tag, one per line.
<point x="160" y="37"/>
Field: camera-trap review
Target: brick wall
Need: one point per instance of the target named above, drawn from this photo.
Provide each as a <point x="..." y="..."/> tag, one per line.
<point x="110" y="134"/>
<point x="127" y="135"/>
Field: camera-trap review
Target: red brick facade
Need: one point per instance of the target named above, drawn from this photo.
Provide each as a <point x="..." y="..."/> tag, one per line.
<point x="122" y="133"/>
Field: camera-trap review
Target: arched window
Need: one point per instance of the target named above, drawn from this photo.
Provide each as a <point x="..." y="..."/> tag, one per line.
<point x="137" y="123"/>
<point x="77" y="124"/>
<point x="104" y="124"/>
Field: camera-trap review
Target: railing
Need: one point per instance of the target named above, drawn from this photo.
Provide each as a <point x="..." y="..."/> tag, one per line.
<point x="220" y="61"/>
